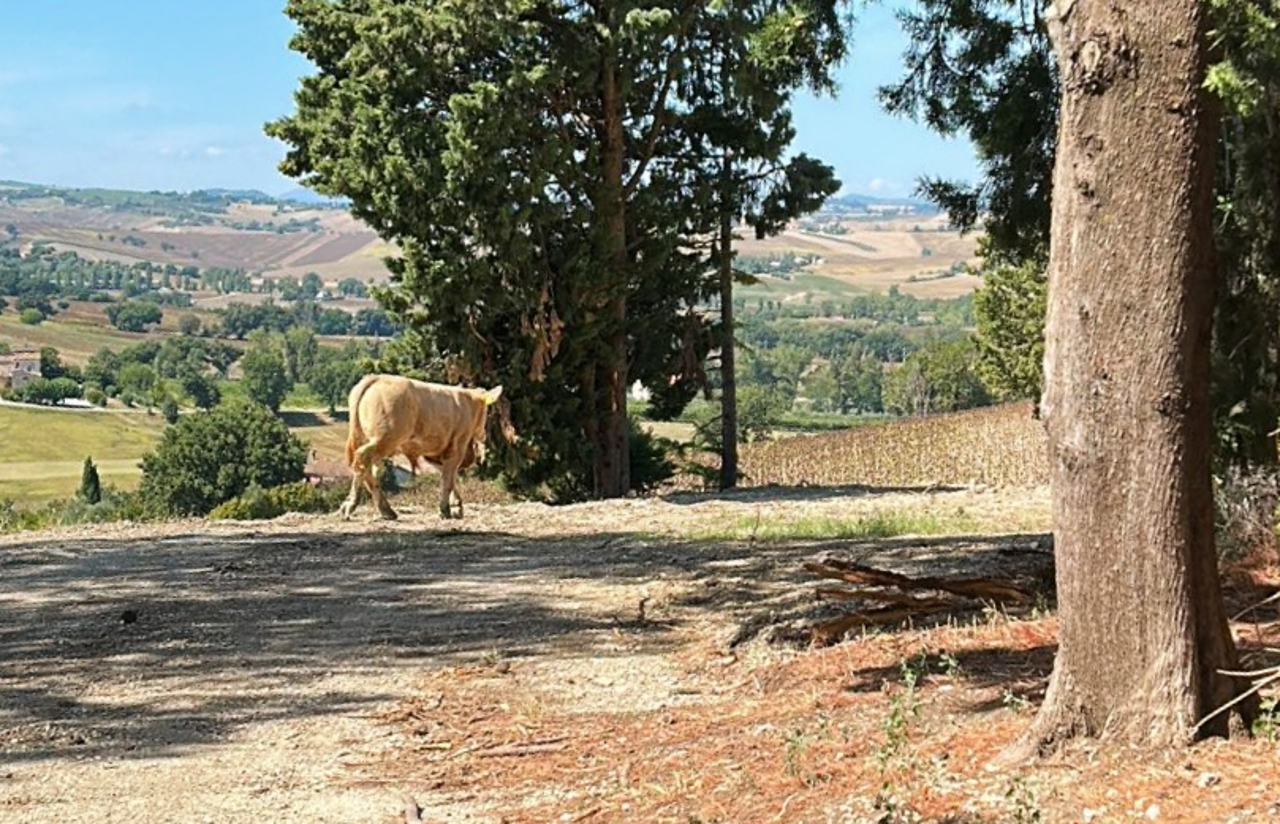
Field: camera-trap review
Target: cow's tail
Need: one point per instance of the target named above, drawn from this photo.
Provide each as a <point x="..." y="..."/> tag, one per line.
<point x="355" y="436"/>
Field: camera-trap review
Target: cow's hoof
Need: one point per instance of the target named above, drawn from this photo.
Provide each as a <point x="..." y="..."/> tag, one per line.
<point x="388" y="515"/>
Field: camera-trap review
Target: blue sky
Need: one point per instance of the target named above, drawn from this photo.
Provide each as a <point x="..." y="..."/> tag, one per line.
<point x="172" y="94"/>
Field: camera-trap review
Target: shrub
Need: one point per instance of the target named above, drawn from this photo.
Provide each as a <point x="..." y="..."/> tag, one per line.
<point x="31" y="317"/>
<point x="1245" y="503"/>
<point x="169" y="408"/>
<point x="257" y="503"/>
<point x="90" y="484"/>
<point x="210" y="457"/>
<point x="114" y="505"/>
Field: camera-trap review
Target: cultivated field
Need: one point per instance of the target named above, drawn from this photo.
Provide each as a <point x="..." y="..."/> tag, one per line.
<point x="909" y="252"/>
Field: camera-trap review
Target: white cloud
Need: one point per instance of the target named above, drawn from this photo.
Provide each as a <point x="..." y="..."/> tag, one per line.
<point x="214" y="151"/>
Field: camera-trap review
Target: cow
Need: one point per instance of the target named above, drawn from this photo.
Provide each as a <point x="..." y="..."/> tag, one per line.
<point x="391" y="414"/>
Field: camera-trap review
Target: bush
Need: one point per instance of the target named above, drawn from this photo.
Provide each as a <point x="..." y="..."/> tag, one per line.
<point x="651" y="463"/>
<point x="1245" y="504"/>
<point x="258" y="503"/>
<point x="210" y="457"/>
<point x="90" y="484"/>
<point x="115" y="505"/>
<point x="31" y="317"/>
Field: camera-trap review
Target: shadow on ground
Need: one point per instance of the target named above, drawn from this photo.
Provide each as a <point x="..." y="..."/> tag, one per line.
<point x="156" y="645"/>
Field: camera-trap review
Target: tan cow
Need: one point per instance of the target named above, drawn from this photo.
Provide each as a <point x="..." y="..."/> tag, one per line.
<point x="390" y="414"/>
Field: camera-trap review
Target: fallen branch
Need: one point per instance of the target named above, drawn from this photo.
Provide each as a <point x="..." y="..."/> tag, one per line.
<point x="527" y="748"/>
<point x="980" y="588"/>
<point x="828" y="632"/>
<point x="896" y="592"/>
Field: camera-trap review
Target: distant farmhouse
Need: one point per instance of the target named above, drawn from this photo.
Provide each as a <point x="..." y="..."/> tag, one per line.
<point x="17" y="369"/>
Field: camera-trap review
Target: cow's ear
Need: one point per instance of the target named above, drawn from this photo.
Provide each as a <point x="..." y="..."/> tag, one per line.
<point x="491" y="396"/>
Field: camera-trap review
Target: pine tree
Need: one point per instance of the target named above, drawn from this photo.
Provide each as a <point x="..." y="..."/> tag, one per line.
<point x="90" y="485"/>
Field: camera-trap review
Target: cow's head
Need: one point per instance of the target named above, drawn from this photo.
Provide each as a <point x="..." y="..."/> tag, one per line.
<point x="475" y="449"/>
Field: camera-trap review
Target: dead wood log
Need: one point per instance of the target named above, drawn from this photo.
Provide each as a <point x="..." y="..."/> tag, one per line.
<point x="899" y="595"/>
<point x="829" y="632"/>
<point x="987" y="589"/>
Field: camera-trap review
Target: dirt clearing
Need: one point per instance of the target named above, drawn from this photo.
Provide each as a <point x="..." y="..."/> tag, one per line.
<point x="533" y="664"/>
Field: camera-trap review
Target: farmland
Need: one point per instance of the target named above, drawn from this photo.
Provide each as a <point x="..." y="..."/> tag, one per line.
<point x="287" y="239"/>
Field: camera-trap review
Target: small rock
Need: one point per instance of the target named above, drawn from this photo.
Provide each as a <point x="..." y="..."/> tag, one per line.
<point x="129" y="616"/>
<point x="1153" y="812"/>
<point x="1207" y="780"/>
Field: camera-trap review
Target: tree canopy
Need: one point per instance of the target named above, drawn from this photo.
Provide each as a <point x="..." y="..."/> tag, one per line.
<point x="543" y="177"/>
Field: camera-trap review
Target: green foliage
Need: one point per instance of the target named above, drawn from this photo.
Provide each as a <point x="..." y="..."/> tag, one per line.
<point x="31" y="317"/>
<point x="333" y="373"/>
<point x="90" y="484"/>
<point x="266" y="377"/>
<point x="134" y="315"/>
<point x="939" y="377"/>
<point x="189" y="324"/>
<point x="985" y="69"/>
<point x="1010" y="309"/>
<point x="257" y="503"/>
<point x="207" y="458"/>
<point x="651" y="458"/>
<point x="203" y="392"/>
<point x="48" y="392"/>
<point x="169" y="409"/>
<point x="1246" y="358"/>
<point x="114" y="505"/>
<point x="545" y="178"/>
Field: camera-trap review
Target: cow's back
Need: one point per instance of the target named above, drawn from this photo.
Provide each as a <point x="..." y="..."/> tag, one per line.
<point x="394" y="410"/>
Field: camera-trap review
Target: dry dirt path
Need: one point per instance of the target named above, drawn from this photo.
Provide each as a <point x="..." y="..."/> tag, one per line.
<point x="235" y="672"/>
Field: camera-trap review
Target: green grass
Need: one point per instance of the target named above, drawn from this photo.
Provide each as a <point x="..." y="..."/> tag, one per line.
<point x="878" y="525"/>
<point x="44" y="450"/>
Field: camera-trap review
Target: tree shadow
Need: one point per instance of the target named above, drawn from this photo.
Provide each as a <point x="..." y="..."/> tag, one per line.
<point x="773" y="492"/>
<point x="151" y="646"/>
<point x="304" y="419"/>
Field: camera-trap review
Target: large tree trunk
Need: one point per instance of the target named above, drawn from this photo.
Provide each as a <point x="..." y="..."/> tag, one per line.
<point x="728" y="354"/>
<point x="613" y="458"/>
<point x="1126" y="404"/>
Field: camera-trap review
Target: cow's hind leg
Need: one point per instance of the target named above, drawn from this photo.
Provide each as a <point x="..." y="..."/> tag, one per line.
<point x="379" y="498"/>
<point x="448" y="478"/>
<point x="353" y="498"/>
<point x="365" y="465"/>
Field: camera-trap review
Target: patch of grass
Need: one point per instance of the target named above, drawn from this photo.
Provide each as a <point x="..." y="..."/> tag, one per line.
<point x="44" y="449"/>
<point x="878" y="525"/>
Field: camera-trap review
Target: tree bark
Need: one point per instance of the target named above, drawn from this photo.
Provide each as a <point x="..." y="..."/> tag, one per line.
<point x="1126" y="405"/>
<point x="612" y="461"/>
<point x="728" y="353"/>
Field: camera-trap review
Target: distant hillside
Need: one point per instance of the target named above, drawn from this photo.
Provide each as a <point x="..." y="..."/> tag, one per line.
<point x="870" y="205"/>
<point x="226" y="228"/>
<point x="855" y="244"/>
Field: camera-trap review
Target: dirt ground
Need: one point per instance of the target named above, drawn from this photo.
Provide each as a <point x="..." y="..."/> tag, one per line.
<point x="600" y="662"/>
